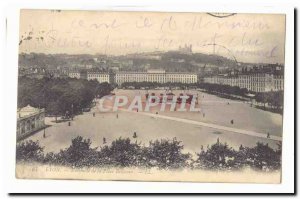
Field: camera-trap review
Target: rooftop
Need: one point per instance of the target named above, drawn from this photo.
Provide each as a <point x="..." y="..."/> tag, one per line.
<point x="27" y="111"/>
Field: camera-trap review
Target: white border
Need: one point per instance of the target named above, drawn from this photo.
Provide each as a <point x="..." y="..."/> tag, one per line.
<point x="9" y="72"/>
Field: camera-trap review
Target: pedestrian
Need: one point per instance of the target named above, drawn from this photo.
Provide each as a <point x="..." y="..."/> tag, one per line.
<point x="104" y="140"/>
<point x="117" y="115"/>
<point x="94" y="114"/>
<point x="134" y="135"/>
<point x="268" y="135"/>
<point x="44" y="134"/>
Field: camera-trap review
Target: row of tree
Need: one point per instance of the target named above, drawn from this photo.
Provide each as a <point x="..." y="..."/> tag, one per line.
<point x="153" y="85"/>
<point x="272" y="99"/>
<point x="212" y="88"/>
<point x="60" y="96"/>
<point x="224" y="89"/>
<point x="161" y="154"/>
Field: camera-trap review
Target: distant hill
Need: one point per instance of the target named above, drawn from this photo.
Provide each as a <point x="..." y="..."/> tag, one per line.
<point x="170" y="61"/>
<point x="176" y="61"/>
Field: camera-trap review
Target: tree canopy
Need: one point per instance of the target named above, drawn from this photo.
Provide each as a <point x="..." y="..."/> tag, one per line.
<point x="59" y="95"/>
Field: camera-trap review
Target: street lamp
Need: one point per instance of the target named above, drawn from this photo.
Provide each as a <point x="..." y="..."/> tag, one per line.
<point x="44" y="134"/>
<point x="72" y="111"/>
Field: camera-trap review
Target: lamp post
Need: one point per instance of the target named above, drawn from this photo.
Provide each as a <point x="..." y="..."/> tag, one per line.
<point x="72" y="111"/>
<point x="44" y="134"/>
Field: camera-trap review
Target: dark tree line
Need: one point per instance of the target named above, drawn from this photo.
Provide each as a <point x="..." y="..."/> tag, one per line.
<point x="273" y="99"/>
<point x="224" y="89"/>
<point x="222" y="157"/>
<point x="59" y="96"/>
<point x="161" y="154"/>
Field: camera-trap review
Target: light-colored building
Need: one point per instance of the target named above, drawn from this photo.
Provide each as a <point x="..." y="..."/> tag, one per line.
<point x="187" y="78"/>
<point x="74" y="74"/>
<point x="155" y="75"/>
<point x="99" y="76"/>
<point x="278" y="82"/>
<point x="79" y="74"/>
<point x="29" y="120"/>
<point x="256" y="82"/>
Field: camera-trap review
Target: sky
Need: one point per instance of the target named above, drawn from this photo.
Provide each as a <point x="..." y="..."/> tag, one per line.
<point x="254" y="38"/>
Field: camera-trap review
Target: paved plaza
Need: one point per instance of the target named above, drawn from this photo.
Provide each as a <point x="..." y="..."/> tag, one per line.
<point x="194" y="129"/>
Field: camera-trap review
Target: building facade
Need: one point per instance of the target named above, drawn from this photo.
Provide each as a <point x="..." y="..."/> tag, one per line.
<point x="29" y="120"/>
<point x="159" y="76"/>
<point x="74" y="74"/>
<point x="256" y="82"/>
<point x="99" y="76"/>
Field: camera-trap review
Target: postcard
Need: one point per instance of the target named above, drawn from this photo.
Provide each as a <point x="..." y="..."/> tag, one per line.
<point x="150" y="96"/>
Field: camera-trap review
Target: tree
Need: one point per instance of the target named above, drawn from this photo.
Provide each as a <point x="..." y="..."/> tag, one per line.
<point x="161" y="154"/>
<point x="78" y="154"/>
<point x="218" y="156"/>
<point x="29" y="151"/>
<point x="78" y="149"/>
<point x="167" y="154"/>
<point x="103" y="89"/>
<point x="277" y="99"/>
<point x="122" y="153"/>
<point x="58" y="95"/>
<point x="262" y="98"/>
<point x="263" y="157"/>
<point x="54" y="108"/>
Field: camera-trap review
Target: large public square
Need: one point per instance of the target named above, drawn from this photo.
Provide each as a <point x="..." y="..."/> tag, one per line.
<point x="194" y="129"/>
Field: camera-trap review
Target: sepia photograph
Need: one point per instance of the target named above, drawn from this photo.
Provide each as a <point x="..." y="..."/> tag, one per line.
<point x="150" y="96"/>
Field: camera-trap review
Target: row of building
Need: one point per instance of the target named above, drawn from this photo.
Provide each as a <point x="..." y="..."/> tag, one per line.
<point x="90" y="75"/>
<point x="253" y="81"/>
<point x="262" y="78"/>
<point x="256" y="82"/>
<point x="160" y="76"/>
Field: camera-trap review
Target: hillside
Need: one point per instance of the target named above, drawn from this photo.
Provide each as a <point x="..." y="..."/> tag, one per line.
<point x="170" y="61"/>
